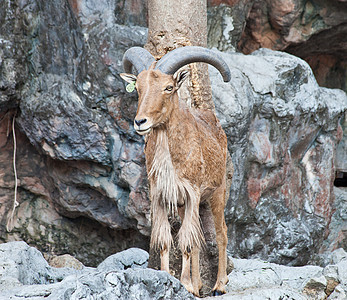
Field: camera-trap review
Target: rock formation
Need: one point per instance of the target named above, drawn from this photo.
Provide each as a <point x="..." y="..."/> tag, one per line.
<point x="24" y="274"/>
<point x="282" y="130"/>
<point x="314" y="30"/>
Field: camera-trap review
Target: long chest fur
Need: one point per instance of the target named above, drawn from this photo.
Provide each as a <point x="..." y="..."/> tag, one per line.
<point x="167" y="188"/>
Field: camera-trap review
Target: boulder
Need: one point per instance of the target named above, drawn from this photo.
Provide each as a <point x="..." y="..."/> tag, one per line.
<point x="64" y="261"/>
<point x="26" y="274"/>
<point x="25" y="265"/>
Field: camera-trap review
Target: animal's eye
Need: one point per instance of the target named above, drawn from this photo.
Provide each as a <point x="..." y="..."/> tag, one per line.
<point x="169" y="88"/>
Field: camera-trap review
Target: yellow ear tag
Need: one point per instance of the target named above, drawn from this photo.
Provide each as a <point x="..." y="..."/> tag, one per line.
<point x="130" y="87"/>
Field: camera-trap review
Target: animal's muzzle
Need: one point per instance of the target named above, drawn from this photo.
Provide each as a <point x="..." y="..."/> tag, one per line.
<point x="142" y="126"/>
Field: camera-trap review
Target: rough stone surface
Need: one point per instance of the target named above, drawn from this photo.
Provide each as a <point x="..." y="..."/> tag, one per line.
<point x="282" y="130"/>
<point x="26" y="275"/>
<point x="341" y="160"/>
<point x="337" y="237"/>
<point x="64" y="261"/>
<point x="338" y="294"/>
<point x="75" y="164"/>
<point x="26" y="266"/>
<point x="254" y="279"/>
<point x="131" y="258"/>
<point x="314" y="30"/>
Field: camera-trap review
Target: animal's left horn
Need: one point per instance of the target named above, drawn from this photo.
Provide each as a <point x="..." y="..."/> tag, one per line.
<point x="138" y="57"/>
<point x="180" y="57"/>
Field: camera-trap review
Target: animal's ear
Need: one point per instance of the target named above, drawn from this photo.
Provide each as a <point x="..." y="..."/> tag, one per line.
<point x="180" y="76"/>
<point x="130" y="78"/>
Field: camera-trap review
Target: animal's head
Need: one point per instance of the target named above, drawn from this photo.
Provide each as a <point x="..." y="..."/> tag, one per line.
<point x="157" y="82"/>
<point x="156" y="91"/>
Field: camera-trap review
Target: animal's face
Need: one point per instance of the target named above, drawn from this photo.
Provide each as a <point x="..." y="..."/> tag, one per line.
<point x="156" y="92"/>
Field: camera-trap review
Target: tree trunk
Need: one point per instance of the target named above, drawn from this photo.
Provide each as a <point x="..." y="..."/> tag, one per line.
<point x="174" y="24"/>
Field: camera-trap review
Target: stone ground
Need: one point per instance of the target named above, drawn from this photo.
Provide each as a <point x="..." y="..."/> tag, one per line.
<point x="25" y="274"/>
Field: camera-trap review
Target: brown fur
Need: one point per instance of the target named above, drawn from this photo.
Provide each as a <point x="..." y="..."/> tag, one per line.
<point x="186" y="152"/>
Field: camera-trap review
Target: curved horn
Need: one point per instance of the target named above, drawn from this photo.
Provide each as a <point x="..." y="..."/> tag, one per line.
<point x="180" y="57"/>
<point x="138" y="57"/>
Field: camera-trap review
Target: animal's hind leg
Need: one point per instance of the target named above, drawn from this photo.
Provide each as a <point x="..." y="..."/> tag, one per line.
<point x="217" y="206"/>
<point x="196" y="279"/>
<point x="186" y="253"/>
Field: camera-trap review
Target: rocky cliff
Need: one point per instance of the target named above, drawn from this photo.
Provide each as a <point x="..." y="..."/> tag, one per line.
<point x="79" y="165"/>
<point x="314" y="30"/>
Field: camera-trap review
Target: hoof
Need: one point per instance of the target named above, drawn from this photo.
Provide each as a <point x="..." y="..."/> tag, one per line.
<point x="217" y="293"/>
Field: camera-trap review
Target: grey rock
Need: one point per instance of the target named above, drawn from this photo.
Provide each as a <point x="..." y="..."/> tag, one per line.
<point x="252" y="274"/>
<point x="78" y="161"/>
<point x="8" y="282"/>
<point x="273" y="293"/>
<point x="130" y="258"/>
<point x="26" y="274"/>
<point x="315" y="288"/>
<point x="331" y="273"/>
<point x="255" y="279"/>
<point x="278" y="205"/>
<point x="341" y="161"/>
<point x="342" y="271"/>
<point x="332" y="249"/>
<point x="26" y="265"/>
<point x="338" y="256"/>
<point x="146" y="284"/>
<point x="338" y="294"/>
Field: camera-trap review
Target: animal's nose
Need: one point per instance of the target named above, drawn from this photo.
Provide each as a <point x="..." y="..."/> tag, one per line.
<point x="140" y="122"/>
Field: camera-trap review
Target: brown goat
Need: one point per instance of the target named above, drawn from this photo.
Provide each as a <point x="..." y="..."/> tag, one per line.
<point x="186" y="152"/>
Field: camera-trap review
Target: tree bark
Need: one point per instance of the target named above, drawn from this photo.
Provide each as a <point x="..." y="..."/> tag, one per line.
<point x="174" y="24"/>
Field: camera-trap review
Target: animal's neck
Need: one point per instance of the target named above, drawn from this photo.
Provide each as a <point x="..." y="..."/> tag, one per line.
<point x="165" y="186"/>
<point x="177" y="120"/>
<point x="175" y="131"/>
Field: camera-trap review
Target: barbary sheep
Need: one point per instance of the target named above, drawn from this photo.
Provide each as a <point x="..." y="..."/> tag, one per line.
<point x="186" y="151"/>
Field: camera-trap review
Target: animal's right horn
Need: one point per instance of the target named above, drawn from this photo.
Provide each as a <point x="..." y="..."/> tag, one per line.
<point x="137" y="57"/>
<point x="182" y="56"/>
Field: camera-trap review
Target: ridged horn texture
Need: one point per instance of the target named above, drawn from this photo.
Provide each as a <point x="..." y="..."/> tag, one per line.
<point x="137" y="57"/>
<point x="180" y="57"/>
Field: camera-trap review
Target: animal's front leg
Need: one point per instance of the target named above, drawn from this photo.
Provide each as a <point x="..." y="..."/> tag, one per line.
<point x="185" y="274"/>
<point x="161" y="234"/>
<point x="192" y="285"/>
<point x="164" y="259"/>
